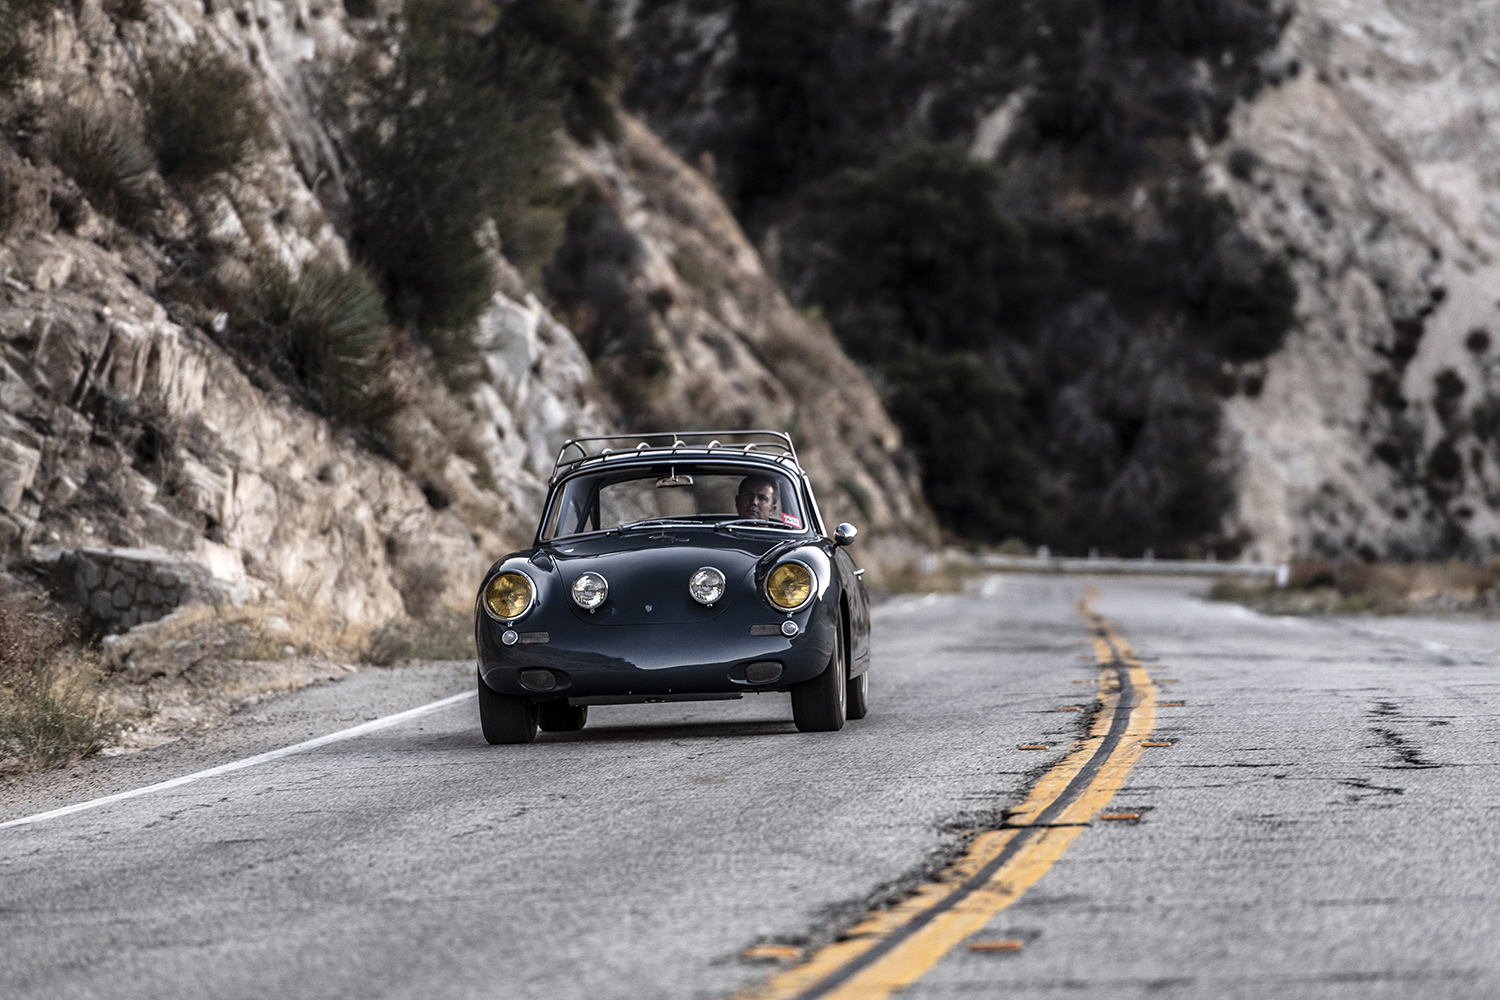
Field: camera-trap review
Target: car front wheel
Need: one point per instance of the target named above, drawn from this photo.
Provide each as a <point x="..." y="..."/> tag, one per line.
<point x="819" y="705"/>
<point x="505" y="718"/>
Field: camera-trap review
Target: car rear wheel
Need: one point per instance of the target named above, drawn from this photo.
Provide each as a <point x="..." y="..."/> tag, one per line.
<point x="819" y="705"/>
<point x="560" y="717"/>
<point x="505" y="718"/>
<point x="859" y="696"/>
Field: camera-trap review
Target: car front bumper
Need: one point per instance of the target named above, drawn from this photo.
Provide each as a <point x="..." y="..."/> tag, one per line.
<point x="652" y="662"/>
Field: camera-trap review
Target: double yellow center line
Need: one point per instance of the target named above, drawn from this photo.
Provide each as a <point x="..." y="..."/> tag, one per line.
<point x="891" y="949"/>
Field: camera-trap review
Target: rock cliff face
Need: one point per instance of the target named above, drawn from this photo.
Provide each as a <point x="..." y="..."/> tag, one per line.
<point x="124" y="423"/>
<point x="1372" y="160"/>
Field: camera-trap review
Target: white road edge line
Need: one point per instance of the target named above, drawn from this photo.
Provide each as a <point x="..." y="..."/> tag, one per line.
<point x="235" y="765"/>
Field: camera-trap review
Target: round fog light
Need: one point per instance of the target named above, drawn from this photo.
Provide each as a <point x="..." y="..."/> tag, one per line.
<point x="509" y="637"/>
<point x="789" y="628"/>
<point x="590" y="590"/>
<point x="538" y="680"/>
<point x="762" y="671"/>
<point x="706" y="585"/>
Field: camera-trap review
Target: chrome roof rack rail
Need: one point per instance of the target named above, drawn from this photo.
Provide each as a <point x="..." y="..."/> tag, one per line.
<point x="606" y="447"/>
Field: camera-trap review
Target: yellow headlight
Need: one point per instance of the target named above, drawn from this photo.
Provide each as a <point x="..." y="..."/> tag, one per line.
<point x="789" y="585"/>
<point x="508" y="595"/>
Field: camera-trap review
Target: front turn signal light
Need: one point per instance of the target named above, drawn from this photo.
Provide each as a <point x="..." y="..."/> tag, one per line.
<point x="509" y="595"/>
<point x="790" y="586"/>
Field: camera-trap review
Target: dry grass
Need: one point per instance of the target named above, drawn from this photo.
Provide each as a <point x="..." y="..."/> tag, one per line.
<point x="191" y="670"/>
<point x="443" y="635"/>
<point x="1317" y="587"/>
<point x="948" y="576"/>
<point x="50" y="711"/>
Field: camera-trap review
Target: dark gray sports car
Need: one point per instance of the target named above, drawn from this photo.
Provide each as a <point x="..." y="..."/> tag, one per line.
<point x="673" y="567"/>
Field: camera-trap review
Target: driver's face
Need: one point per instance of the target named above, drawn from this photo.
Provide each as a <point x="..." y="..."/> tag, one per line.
<point x="755" y="502"/>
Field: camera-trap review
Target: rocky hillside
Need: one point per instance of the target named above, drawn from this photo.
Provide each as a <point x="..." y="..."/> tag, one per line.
<point x="1371" y="161"/>
<point x="1213" y="274"/>
<point x="197" y="360"/>
<point x="999" y="208"/>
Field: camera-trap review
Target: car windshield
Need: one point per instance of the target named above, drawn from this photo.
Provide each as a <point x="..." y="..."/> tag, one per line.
<point x="619" y="498"/>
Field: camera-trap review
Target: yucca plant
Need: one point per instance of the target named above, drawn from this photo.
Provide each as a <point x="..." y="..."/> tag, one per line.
<point x="326" y="329"/>
<point x="98" y="148"/>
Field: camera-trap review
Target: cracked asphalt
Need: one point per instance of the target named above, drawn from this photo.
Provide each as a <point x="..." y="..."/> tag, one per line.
<point x="1323" y="825"/>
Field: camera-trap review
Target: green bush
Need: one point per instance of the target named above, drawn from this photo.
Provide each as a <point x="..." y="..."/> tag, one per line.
<point x="923" y="253"/>
<point x="16" y="59"/>
<point x="577" y="39"/>
<point x="103" y="153"/>
<point x="961" y="419"/>
<point x="1242" y="299"/>
<point x="981" y="323"/>
<point x="445" y="135"/>
<point x="202" y="114"/>
<point x="326" y="331"/>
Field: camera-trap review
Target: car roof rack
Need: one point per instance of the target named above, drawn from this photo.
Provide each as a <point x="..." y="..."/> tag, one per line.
<point x="773" y="445"/>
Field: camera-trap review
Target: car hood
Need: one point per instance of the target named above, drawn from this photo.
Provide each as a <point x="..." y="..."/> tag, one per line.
<point x="648" y="571"/>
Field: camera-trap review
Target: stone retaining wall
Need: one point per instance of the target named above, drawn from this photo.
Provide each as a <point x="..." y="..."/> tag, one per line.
<point x="119" y="588"/>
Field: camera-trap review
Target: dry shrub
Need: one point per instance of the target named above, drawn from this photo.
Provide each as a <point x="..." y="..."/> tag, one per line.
<point x="126" y="10"/>
<point x="1382" y="588"/>
<point x="193" y="669"/>
<point x="23" y="199"/>
<point x="50" y="711"/>
<point x="949" y="576"/>
<point x="17" y="61"/>
<point x="444" y="635"/>
<point x="190" y="637"/>
<point x="202" y="114"/>
<point x="442" y="129"/>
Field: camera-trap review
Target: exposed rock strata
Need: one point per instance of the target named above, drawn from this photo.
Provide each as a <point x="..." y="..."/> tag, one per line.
<point x="1372" y="162"/>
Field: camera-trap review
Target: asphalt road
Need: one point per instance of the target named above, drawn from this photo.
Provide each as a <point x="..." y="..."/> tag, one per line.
<point x="1323" y="824"/>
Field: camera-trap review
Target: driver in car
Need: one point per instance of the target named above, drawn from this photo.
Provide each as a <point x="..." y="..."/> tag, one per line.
<point x="756" y="497"/>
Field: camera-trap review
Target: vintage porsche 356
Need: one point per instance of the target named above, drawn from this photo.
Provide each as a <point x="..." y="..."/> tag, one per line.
<point x="692" y="566"/>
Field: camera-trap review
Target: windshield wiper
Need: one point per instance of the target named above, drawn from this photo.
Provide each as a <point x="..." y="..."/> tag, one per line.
<point x="750" y="522"/>
<point x="660" y="522"/>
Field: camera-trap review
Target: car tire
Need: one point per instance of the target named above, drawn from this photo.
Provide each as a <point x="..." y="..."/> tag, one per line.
<point x="859" y="696"/>
<point x="505" y="718"/>
<point x="820" y="705"/>
<point x="560" y="717"/>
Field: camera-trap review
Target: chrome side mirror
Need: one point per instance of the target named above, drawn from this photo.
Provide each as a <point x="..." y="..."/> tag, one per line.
<point x="845" y="534"/>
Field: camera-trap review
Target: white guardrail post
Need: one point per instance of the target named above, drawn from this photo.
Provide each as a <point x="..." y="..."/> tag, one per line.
<point x="1045" y="562"/>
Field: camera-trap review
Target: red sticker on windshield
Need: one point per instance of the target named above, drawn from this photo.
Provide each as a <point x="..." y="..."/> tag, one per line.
<point x="791" y="521"/>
